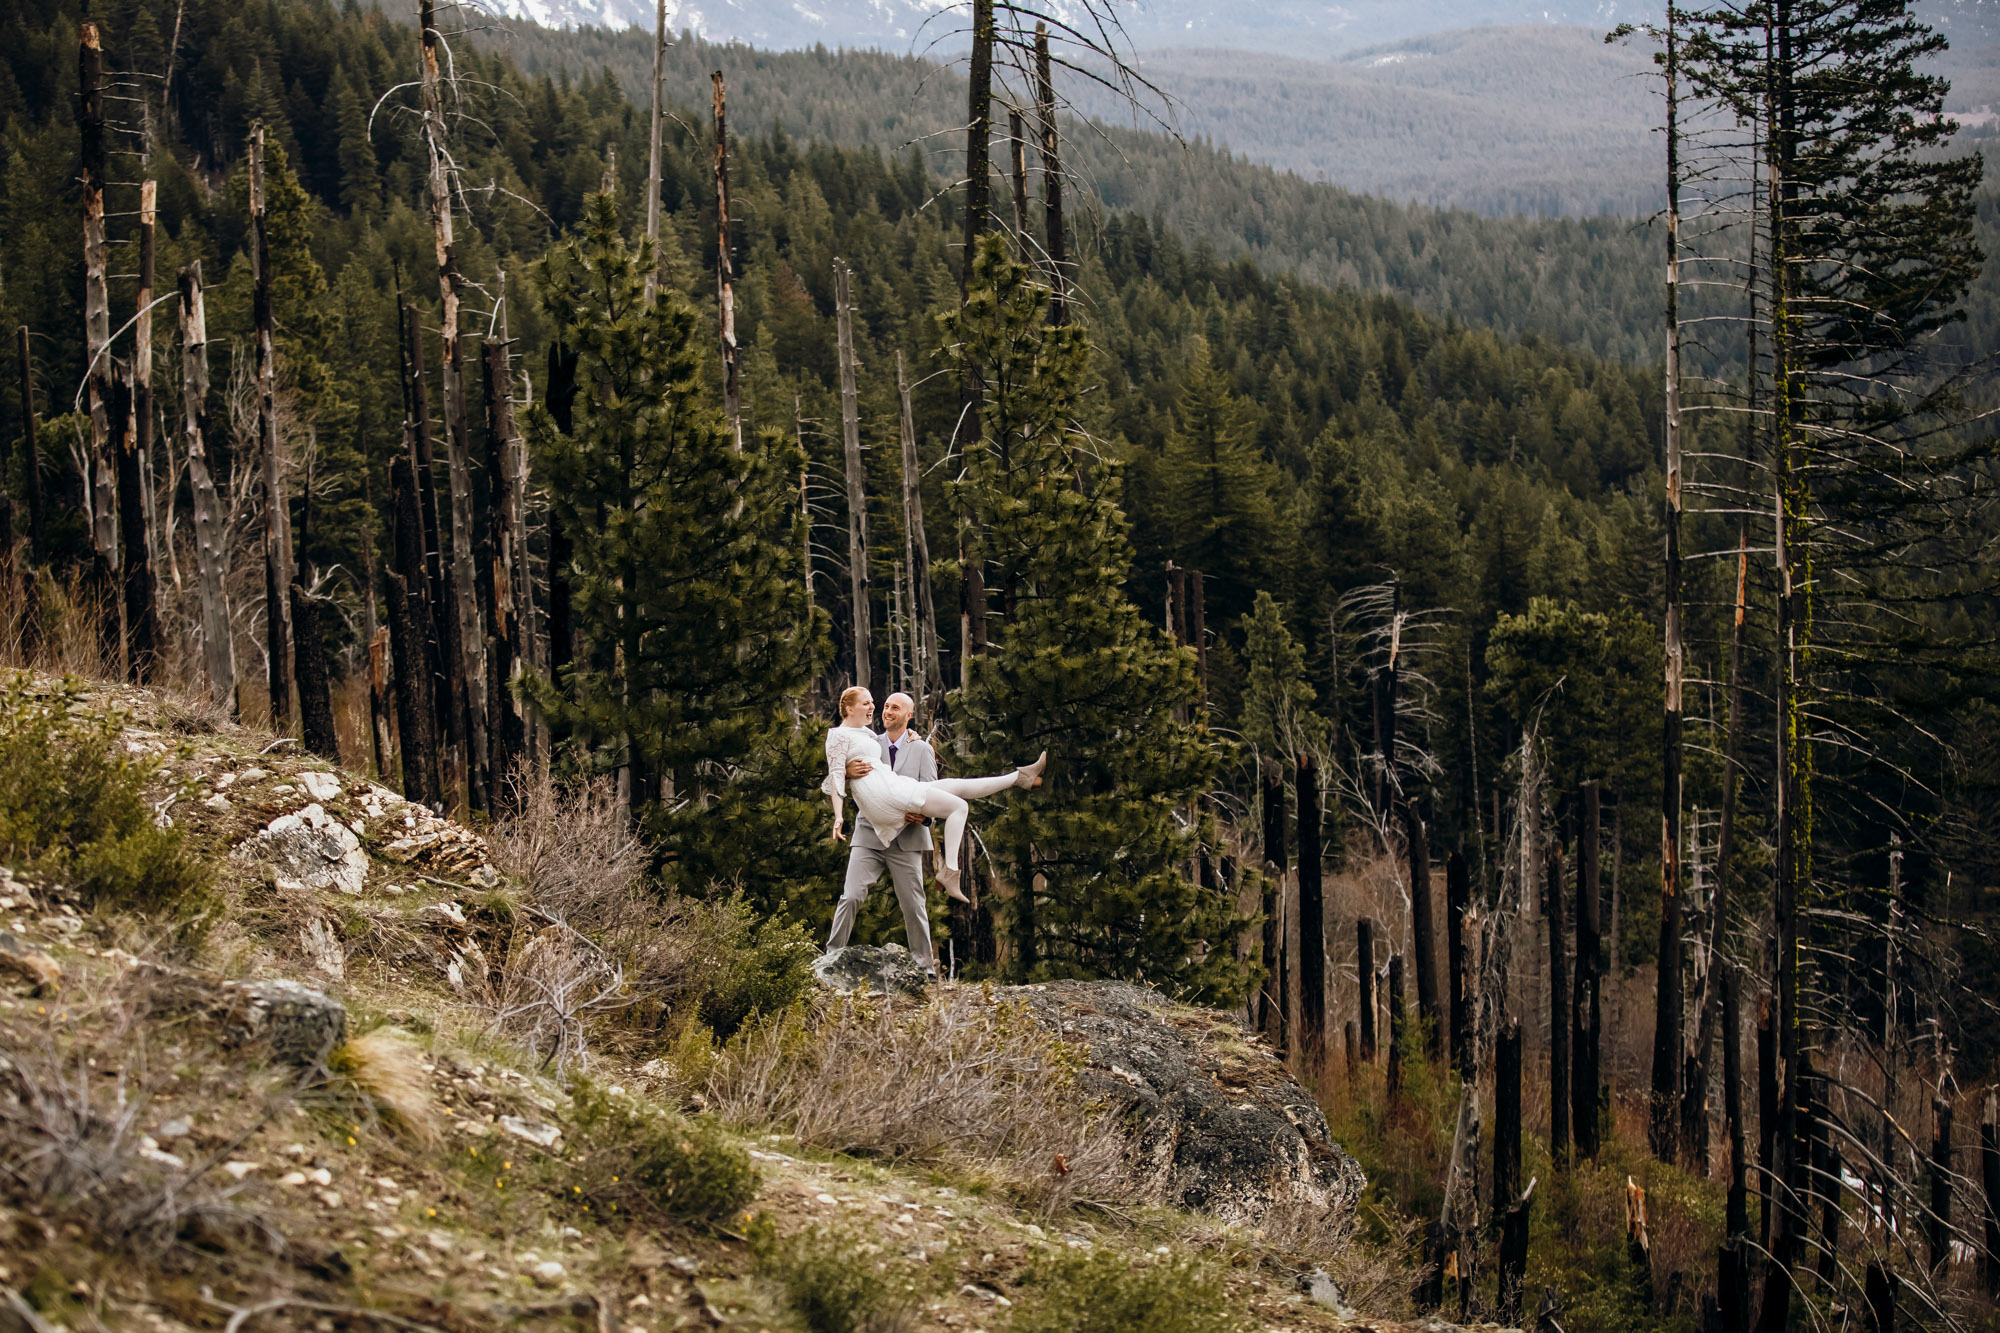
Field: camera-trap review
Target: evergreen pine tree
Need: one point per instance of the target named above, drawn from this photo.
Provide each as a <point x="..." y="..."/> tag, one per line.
<point x="685" y="554"/>
<point x="1278" y="717"/>
<point x="1219" y="490"/>
<point x="1099" y="855"/>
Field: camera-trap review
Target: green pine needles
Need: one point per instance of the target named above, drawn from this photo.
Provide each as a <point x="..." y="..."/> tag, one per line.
<point x="686" y="553"/>
<point x="1099" y="856"/>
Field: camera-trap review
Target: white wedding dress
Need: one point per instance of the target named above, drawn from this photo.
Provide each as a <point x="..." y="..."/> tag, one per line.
<point x="884" y="796"/>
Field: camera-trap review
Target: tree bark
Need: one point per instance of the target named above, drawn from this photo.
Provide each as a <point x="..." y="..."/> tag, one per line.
<point x="464" y="605"/>
<point x="1667" y="1034"/>
<point x="917" y="549"/>
<point x="1514" y="1232"/>
<point x="1396" y="1035"/>
<point x="38" y="550"/>
<point x="972" y="389"/>
<point x="1198" y="634"/>
<point x="315" y="693"/>
<point x="507" y="735"/>
<point x="1733" y="1272"/>
<point x="1271" y="998"/>
<point x="410" y="636"/>
<point x="1364" y="975"/>
<point x="1879" y="1295"/>
<point x="99" y="494"/>
<point x="1017" y="156"/>
<point x="1940" y="1182"/>
<point x="429" y="584"/>
<point x="210" y="541"/>
<point x="1458" y="901"/>
<point x="1767" y="1119"/>
<point x="560" y="398"/>
<point x="1423" y="923"/>
<point x="1559" y="1011"/>
<point x="1585" y="1078"/>
<point x="1312" y="919"/>
<point x="725" y="272"/>
<point x="655" y="124"/>
<point x="1053" y="240"/>
<point x="857" y="482"/>
<point x="1507" y="1117"/>
<point x="277" y="516"/>
<point x="1989" y="1179"/>
<point x="135" y="447"/>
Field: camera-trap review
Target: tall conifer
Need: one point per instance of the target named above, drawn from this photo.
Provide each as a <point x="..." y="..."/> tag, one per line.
<point x="1099" y="855"/>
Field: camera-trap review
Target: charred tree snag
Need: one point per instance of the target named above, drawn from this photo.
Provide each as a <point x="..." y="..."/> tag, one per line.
<point x="1588" y="1016"/>
<point x="1312" y="919"/>
<point x="1271" y="998"/>
<point x="857" y="481"/>
<point x="1396" y="1033"/>
<point x="1559" y="1012"/>
<point x="277" y="516"/>
<point x="38" y="550"/>
<point x="1507" y="1117"/>
<point x="218" y="647"/>
<point x="135" y="449"/>
<point x="315" y="694"/>
<point x="410" y="634"/>
<point x="98" y="486"/>
<point x="725" y="272"/>
<point x="1053" y="240"/>
<point x="1364" y="975"/>
<point x="1458" y="901"/>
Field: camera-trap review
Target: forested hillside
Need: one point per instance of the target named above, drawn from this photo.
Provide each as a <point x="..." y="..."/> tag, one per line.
<point x="1588" y="283"/>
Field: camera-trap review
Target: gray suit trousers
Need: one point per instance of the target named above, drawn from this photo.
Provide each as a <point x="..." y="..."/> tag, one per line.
<point x="906" y="870"/>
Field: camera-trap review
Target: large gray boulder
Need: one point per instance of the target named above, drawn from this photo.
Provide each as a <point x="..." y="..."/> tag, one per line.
<point x="296" y="1023"/>
<point x="1216" y="1120"/>
<point x="884" y="969"/>
<point x="308" y="850"/>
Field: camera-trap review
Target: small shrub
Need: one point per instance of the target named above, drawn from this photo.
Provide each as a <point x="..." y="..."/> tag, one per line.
<point x="1102" y="1291"/>
<point x="639" y="1159"/>
<point x="830" y="1278"/>
<point x="73" y="808"/>
<point x="764" y="966"/>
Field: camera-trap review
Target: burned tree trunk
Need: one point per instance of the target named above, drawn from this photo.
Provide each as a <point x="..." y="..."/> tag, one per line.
<point x="429" y="584"/>
<point x="1396" y="1034"/>
<point x="135" y="446"/>
<point x="1588" y="1016"/>
<point x="1052" y="180"/>
<point x="1767" y="1119"/>
<point x="1423" y="921"/>
<point x="1017" y="156"/>
<point x="1733" y="1269"/>
<point x="1940" y="1182"/>
<point x="277" y="516"/>
<point x="725" y="273"/>
<point x="506" y="734"/>
<point x="464" y="597"/>
<point x="1364" y="975"/>
<point x="1559" y="1011"/>
<point x="1514" y="1254"/>
<point x="1458" y="901"/>
<point x="1312" y="920"/>
<point x="1271" y="998"/>
<point x="38" y="550"/>
<point x="210" y="549"/>
<point x="315" y="693"/>
<point x="1989" y="1180"/>
<point x="560" y="398"/>
<point x="1507" y="1117"/>
<point x="857" y="481"/>
<point x="409" y="639"/>
<point x="1198" y="635"/>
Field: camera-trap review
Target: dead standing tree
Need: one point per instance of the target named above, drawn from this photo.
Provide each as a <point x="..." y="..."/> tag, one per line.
<point x="210" y="540"/>
<point x="277" y="516"/>
<point x="463" y="577"/>
<point x="857" y="481"/>
<point x="135" y="447"/>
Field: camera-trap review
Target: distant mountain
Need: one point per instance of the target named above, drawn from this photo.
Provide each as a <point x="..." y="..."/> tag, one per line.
<point x="1301" y="28"/>
<point x="1532" y="119"/>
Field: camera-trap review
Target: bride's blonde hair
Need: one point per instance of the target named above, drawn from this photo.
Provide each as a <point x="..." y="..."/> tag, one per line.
<point x="847" y="698"/>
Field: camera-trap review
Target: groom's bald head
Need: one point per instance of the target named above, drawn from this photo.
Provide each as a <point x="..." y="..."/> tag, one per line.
<point x="897" y="710"/>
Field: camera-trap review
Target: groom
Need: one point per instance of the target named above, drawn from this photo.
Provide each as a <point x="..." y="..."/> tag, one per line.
<point x="912" y="756"/>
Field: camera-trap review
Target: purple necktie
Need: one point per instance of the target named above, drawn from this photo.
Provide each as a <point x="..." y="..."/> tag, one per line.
<point x="892" y="754"/>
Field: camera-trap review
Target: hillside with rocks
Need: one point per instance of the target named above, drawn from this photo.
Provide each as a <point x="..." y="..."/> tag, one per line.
<point x="379" y="1070"/>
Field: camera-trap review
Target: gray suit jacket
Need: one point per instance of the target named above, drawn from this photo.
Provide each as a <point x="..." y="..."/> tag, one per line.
<point x="915" y="759"/>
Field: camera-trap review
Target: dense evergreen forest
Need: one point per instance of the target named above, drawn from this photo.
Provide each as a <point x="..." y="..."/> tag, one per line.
<point x="482" y="444"/>
<point x="1585" y="282"/>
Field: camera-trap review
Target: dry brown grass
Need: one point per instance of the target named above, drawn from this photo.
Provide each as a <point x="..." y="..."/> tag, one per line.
<point x="960" y="1079"/>
<point x="386" y="1067"/>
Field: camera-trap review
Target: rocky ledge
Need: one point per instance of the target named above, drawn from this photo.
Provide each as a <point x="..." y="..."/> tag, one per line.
<point x="1216" y="1121"/>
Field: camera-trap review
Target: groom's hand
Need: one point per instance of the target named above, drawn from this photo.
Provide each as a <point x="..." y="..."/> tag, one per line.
<point x="859" y="768"/>
<point x="909" y="818"/>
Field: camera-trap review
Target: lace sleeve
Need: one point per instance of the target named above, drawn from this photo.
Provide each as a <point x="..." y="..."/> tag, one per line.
<point x="836" y="764"/>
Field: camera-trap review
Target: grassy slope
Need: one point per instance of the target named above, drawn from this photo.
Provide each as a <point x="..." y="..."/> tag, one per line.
<point x="394" y="1185"/>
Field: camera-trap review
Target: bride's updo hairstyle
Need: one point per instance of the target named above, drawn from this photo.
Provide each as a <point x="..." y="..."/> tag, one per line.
<point x="847" y="698"/>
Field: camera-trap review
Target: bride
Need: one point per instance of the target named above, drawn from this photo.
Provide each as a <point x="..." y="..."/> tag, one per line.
<point x="884" y="796"/>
